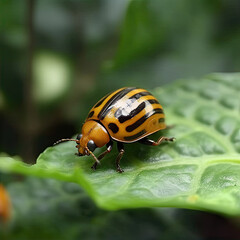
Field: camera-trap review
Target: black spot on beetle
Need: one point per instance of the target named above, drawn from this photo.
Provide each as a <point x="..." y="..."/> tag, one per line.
<point x="160" y="120"/>
<point x="113" y="127"/>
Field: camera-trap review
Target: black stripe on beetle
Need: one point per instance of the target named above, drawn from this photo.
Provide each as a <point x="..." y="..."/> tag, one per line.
<point x="113" y="127"/>
<point x="110" y="103"/>
<point x="123" y="118"/>
<point x="152" y="101"/>
<point x="133" y="113"/>
<point x="140" y="121"/>
<point x="133" y="137"/>
<point x="140" y="94"/>
<point x="90" y="114"/>
<point x="119" y="114"/>
<point x="101" y="101"/>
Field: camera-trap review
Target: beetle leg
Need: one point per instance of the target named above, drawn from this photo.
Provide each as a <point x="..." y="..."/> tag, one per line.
<point x="78" y="154"/>
<point x="94" y="166"/>
<point x="119" y="157"/>
<point x="161" y="139"/>
<point x="109" y="149"/>
<point x="102" y="155"/>
<point x="148" y="141"/>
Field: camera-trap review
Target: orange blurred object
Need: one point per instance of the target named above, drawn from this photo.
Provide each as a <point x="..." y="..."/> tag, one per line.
<point x="5" y="205"/>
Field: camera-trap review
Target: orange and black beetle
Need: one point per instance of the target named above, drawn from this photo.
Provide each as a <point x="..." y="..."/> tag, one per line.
<point x="126" y="115"/>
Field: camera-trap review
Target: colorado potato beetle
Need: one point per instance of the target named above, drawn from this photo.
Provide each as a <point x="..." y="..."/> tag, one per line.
<point x="126" y="115"/>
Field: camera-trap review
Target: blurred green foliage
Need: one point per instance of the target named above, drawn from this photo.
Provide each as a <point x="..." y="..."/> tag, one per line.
<point x="103" y="45"/>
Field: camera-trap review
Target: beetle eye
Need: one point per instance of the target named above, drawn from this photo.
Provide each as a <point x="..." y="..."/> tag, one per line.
<point x="79" y="136"/>
<point x="91" y="145"/>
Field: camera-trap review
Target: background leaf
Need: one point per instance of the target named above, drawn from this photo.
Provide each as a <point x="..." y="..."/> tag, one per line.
<point x="199" y="171"/>
<point x="61" y="210"/>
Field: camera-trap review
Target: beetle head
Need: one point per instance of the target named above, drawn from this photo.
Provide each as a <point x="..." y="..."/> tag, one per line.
<point x="93" y="135"/>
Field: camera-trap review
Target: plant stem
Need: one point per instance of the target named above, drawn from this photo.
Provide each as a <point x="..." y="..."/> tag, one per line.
<point x="29" y="107"/>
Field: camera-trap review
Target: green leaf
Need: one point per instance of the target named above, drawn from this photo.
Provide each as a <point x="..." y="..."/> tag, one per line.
<point x="200" y="170"/>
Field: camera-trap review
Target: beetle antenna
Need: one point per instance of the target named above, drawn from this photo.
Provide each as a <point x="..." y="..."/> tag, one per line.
<point x="97" y="161"/>
<point x="65" y="140"/>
